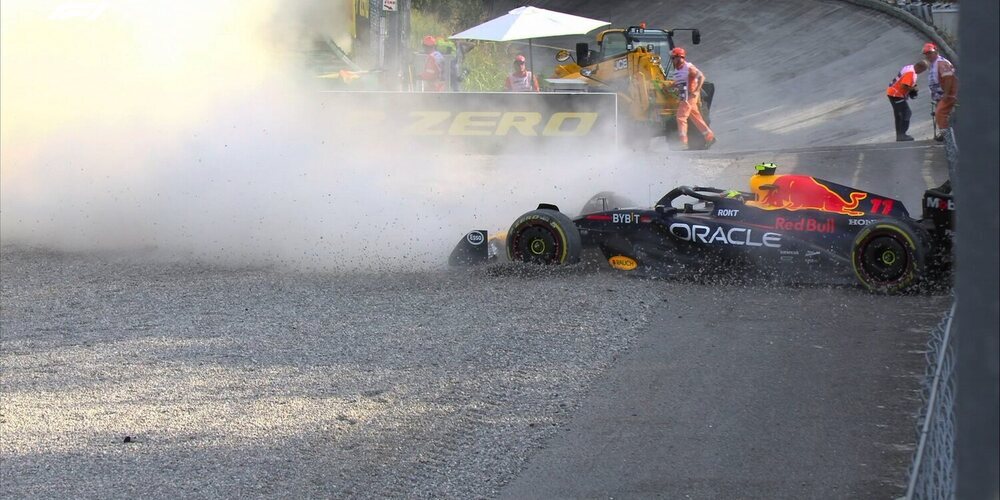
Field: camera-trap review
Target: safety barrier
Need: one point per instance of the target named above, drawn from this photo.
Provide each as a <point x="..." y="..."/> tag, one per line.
<point x="901" y="12"/>
<point x="932" y="473"/>
<point x="482" y="122"/>
<point x="943" y="16"/>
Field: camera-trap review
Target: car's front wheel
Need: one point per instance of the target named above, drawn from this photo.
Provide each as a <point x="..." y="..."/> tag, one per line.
<point x="544" y="236"/>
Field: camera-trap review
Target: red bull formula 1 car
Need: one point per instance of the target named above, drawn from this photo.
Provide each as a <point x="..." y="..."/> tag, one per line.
<point x="788" y="223"/>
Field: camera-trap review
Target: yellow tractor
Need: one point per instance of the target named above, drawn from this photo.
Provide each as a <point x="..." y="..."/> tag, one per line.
<point x="634" y="62"/>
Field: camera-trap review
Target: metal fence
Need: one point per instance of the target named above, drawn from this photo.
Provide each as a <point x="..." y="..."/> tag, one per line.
<point x="919" y="9"/>
<point x="932" y="473"/>
<point x="938" y="21"/>
<point x="942" y="15"/>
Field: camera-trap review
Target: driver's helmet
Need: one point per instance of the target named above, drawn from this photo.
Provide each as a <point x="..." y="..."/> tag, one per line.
<point x="767" y="168"/>
<point x="764" y="176"/>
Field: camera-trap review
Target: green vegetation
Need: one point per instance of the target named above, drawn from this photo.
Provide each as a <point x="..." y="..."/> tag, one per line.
<point x="485" y="63"/>
<point x="461" y="14"/>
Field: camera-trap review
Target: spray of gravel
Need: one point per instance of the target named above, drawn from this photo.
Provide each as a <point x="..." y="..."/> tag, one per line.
<point x="195" y="132"/>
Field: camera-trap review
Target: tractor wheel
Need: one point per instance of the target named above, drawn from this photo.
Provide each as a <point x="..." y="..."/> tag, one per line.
<point x="707" y="94"/>
<point x="637" y="135"/>
<point x="544" y="236"/>
<point x="888" y="258"/>
<point x="695" y="139"/>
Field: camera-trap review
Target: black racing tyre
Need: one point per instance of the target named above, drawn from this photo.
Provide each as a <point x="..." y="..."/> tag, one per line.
<point x="544" y="236"/>
<point x="604" y="201"/>
<point x="888" y="257"/>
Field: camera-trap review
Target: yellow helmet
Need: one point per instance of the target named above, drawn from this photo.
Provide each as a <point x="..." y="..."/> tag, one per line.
<point x="767" y="168"/>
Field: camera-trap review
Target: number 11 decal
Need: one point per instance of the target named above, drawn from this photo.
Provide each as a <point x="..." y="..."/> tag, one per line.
<point x="884" y="205"/>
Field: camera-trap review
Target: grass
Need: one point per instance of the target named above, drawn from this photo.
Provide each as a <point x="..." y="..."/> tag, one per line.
<point x="485" y="65"/>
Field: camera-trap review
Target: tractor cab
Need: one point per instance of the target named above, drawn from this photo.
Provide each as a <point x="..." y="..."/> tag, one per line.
<point x="631" y="63"/>
<point x="620" y="41"/>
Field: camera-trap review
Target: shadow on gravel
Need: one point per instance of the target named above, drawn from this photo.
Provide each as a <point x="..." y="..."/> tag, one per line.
<point x="754" y="279"/>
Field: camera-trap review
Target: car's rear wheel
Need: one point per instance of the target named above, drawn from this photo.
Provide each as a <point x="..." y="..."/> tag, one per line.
<point x="544" y="236"/>
<point x="888" y="258"/>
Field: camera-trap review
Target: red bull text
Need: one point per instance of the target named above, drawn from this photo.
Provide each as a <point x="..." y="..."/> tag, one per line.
<point x="804" y="224"/>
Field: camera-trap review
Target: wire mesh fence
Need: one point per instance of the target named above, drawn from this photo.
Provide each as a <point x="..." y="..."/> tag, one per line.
<point x="932" y="472"/>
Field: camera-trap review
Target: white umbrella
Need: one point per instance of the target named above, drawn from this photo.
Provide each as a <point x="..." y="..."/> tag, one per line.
<point x="530" y="22"/>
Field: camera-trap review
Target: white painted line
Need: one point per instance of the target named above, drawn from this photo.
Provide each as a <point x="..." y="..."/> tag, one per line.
<point x="857" y="168"/>
<point x="926" y="170"/>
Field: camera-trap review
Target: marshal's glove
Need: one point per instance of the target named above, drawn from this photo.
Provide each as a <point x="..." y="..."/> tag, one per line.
<point x="912" y="94"/>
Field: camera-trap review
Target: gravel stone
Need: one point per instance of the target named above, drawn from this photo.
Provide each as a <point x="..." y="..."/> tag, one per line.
<point x="123" y="377"/>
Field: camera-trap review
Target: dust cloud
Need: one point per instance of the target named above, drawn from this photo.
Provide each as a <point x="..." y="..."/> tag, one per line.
<point x="194" y="131"/>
